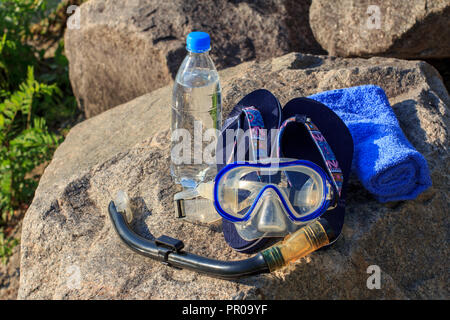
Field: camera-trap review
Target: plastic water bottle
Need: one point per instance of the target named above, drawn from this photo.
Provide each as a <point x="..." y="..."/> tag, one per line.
<point x="196" y="107"/>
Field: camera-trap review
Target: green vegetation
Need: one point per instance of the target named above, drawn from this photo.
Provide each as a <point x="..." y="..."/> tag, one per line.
<point x="6" y="246"/>
<point x="36" y="101"/>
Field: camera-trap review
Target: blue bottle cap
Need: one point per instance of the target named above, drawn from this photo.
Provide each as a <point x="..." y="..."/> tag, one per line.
<point x="198" y="41"/>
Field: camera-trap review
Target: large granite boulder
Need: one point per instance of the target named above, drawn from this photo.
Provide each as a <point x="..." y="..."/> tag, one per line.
<point x="415" y="29"/>
<point x="69" y="249"/>
<point x="124" y="49"/>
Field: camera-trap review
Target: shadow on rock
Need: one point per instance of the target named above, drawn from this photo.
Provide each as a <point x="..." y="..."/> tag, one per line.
<point x="140" y="213"/>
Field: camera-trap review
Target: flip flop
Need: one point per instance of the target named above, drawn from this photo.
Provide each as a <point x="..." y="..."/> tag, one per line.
<point x="259" y="109"/>
<point x="306" y="124"/>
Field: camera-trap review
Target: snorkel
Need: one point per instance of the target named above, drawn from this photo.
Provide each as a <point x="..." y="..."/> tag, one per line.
<point x="170" y="251"/>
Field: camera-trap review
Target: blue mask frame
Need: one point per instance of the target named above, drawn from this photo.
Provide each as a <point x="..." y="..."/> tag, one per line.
<point x="325" y="204"/>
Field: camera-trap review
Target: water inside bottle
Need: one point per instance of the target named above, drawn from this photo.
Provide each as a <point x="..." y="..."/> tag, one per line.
<point x="197" y="98"/>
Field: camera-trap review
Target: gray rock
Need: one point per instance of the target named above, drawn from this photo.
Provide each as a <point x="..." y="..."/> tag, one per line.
<point x="125" y="49"/>
<point x="69" y="249"/>
<point x="415" y="29"/>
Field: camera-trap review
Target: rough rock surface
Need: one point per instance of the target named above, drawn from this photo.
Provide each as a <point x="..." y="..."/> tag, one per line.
<point x="125" y="49"/>
<point x="415" y="29"/>
<point x="10" y="272"/>
<point x="70" y="250"/>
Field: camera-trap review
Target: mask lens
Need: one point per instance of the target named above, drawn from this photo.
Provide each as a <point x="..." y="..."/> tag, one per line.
<point x="238" y="190"/>
<point x="300" y="186"/>
<point x="304" y="191"/>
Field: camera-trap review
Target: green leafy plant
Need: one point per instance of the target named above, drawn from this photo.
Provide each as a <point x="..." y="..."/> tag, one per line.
<point x="16" y="17"/>
<point x="6" y="246"/>
<point x="25" y="140"/>
<point x="36" y="100"/>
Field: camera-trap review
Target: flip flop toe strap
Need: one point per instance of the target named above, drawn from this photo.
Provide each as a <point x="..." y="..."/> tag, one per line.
<point x="324" y="148"/>
<point x="250" y="119"/>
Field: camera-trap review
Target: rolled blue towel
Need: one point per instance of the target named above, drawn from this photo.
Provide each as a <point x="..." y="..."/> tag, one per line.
<point x="384" y="160"/>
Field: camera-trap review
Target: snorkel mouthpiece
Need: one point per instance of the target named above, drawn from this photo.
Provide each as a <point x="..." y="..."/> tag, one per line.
<point x="296" y="245"/>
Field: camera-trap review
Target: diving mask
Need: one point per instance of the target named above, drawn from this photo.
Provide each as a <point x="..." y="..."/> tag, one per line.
<point x="272" y="198"/>
<point x="269" y="198"/>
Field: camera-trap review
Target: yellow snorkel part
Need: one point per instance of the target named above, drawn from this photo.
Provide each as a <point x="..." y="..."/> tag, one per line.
<point x="296" y="245"/>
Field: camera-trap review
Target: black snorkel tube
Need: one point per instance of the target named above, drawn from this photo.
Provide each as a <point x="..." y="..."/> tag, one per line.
<point x="169" y="251"/>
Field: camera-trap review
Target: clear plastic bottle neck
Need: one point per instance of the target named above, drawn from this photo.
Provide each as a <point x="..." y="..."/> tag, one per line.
<point x="193" y="63"/>
<point x="199" y="60"/>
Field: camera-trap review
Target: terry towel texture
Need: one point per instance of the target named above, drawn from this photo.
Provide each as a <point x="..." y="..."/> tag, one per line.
<point x="384" y="160"/>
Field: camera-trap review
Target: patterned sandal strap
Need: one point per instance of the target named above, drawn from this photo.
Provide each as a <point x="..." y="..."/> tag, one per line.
<point x="252" y="117"/>
<point x="324" y="148"/>
<point x="257" y="134"/>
